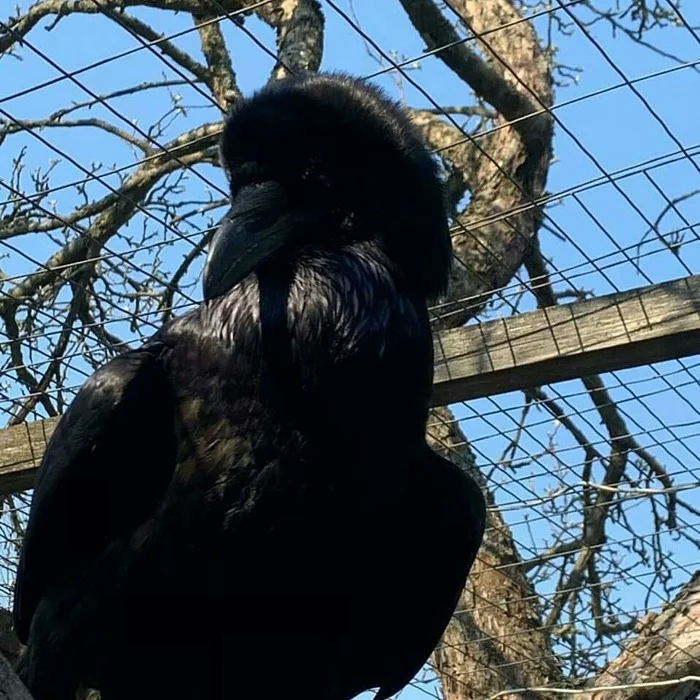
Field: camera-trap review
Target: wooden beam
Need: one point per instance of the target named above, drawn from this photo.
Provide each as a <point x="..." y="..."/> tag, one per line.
<point x="608" y="333"/>
<point x="21" y="448"/>
<point x="603" y="334"/>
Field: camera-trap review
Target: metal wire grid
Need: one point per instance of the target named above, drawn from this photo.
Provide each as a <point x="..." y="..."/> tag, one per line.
<point x="520" y="423"/>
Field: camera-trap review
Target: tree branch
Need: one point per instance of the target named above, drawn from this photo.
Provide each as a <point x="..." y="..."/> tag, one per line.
<point x="667" y="647"/>
<point x="220" y="75"/>
<point x="496" y="230"/>
<point x="20" y="125"/>
<point x="146" y="32"/>
<point x="18" y="27"/>
<point x="299" y="25"/>
<point x="189" y="147"/>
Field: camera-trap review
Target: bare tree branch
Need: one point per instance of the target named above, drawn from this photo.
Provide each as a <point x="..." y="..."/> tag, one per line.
<point x="299" y="25"/>
<point x="220" y="76"/>
<point x="667" y="647"/>
<point x="189" y="147"/>
<point x="512" y="165"/>
<point x="20" y="125"/>
<point x="18" y="27"/>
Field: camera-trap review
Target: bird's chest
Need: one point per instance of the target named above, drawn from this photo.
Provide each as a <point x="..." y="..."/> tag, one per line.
<point x="321" y="533"/>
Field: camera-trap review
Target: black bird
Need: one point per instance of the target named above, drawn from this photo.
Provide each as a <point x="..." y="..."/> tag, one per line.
<point x="246" y="506"/>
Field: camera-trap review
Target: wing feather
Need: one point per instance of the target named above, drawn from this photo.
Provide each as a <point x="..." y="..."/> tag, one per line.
<point x="104" y="469"/>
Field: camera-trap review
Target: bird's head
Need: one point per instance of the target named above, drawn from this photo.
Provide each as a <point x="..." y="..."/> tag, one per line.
<point x="318" y="160"/>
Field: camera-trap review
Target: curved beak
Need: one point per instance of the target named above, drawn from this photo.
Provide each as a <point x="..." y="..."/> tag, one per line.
<point x="256" y="228"/>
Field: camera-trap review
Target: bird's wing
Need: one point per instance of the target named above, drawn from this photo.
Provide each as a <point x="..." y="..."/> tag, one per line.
<point x="451" y="522"/>
<point x="103" y="471"/>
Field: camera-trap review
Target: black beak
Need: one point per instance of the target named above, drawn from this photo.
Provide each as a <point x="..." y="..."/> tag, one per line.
<point x="257" y="227"/>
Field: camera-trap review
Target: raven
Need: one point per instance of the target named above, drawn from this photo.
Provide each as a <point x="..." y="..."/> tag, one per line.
<point x="238" y="508"/>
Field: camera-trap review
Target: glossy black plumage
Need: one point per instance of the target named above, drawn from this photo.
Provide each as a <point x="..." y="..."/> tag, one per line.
<point x="265" y="538"/>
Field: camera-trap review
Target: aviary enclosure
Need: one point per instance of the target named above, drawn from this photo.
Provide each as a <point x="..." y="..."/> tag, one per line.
<point x="566" y="374"/>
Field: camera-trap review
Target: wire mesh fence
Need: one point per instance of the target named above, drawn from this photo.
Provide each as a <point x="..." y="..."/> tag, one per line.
<point x="568" y="140"/>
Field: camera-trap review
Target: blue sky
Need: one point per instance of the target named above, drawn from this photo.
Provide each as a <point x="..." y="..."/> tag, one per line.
<point x="613" y="132"/>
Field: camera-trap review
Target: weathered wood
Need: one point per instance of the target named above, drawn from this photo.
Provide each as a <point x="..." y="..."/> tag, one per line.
<point x="613" y="332"/>
<point x="21" y="448"/>
<point x="607" y="333"/>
